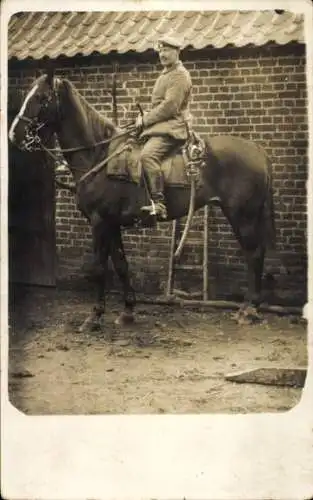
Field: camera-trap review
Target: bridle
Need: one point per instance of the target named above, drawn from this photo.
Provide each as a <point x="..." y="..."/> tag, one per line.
<point x="32" y="141"/>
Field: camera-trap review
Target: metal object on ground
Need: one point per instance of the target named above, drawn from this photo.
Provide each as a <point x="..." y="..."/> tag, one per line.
<point x="291" y="377"/>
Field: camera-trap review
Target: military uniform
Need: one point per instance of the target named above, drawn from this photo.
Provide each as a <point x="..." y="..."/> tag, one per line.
<point x="165" y="124"/>
<point x="169" y="103"/>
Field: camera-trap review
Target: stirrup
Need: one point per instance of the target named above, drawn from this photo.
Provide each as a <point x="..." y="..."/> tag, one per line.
<point x="215" y="199"/>
<point x="156" y="209"/>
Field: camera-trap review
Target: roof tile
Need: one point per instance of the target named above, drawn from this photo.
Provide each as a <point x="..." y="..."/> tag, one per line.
<point x="263" y="19"/>
<point x="204" y="20"/>
<point x="38" y="34"/>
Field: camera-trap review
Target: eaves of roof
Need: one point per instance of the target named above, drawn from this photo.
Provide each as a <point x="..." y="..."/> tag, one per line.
<point x="53" y="34"/>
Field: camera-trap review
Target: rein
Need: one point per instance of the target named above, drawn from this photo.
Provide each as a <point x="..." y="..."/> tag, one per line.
<point x="94" y="169"/>
<point x="96" y="144"/>
<point x="100" y="165"/>
<point x="34" y="141"/>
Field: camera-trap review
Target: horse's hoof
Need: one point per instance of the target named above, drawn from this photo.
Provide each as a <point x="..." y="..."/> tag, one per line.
<point x="90" y="324"/>
<point x="253" y="314"/>
<point x="125" y="318"/>
<point x="248" y="315"/>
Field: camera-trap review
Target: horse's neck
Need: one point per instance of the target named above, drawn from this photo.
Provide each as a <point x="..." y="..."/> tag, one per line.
<point x="80" y="127"/>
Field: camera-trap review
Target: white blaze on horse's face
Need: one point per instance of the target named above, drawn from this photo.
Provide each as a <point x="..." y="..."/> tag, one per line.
<point x="21" y="112"/>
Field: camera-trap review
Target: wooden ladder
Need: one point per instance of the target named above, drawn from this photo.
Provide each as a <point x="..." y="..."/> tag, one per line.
<point x="173" y="265"/>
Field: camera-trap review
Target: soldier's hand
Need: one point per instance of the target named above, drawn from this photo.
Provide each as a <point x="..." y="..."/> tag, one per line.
<point x="139" y="124"/>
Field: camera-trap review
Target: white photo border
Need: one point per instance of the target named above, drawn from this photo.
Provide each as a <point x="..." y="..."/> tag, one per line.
<point x="255" y="456"/>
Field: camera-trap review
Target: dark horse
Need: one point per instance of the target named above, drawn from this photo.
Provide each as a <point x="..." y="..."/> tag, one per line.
<point x="236" y="170"/>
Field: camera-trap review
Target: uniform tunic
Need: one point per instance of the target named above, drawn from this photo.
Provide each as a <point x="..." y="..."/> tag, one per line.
<point x="169" y="104"/>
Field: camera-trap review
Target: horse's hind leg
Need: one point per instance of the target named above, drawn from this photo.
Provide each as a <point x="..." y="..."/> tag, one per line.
<point x="248" y="232"/>
<point x="121" y="267"/>
<point x="255" y="262"/>
<point x="249" y="311"/>
<point x="101" y="247"/>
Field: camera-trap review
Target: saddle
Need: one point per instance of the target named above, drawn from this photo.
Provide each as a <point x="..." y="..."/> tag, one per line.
<point x="177" y="167"/>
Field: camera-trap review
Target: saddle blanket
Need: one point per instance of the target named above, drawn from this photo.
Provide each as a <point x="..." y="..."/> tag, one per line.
<point x="126" y="166"/>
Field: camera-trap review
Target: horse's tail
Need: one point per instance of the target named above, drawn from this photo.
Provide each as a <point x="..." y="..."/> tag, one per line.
<point x="270" y="226"/>
<point x="269" y="210"/>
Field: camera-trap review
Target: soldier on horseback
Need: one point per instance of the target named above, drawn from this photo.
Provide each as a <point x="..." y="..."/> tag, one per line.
<point x="164" y="126"/>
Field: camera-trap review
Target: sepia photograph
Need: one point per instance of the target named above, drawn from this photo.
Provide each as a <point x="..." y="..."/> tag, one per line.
<point x="157" y="212"/>
<point x="164" y="155"/>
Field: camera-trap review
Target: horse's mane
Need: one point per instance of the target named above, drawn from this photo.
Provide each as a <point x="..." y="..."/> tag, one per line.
<point x="91" y="120"/>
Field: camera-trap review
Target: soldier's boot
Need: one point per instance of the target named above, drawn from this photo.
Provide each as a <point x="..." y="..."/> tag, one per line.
<point x="157" y="208"/>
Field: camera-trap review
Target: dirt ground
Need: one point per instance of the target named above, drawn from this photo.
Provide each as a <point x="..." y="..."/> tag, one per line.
<point x="172" y="360"/>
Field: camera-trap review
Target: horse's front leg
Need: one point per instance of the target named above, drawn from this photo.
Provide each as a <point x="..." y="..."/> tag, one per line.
<point x="120" y="264"/>
<point x="101" y="248"/>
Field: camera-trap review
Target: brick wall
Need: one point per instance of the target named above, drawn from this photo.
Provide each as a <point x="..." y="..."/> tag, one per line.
<point x="259" y="94"/>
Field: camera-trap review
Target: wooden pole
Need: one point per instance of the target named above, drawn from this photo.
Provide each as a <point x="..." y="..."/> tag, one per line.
<point x="205" y="252"/>
<point x="171" y="264"/>
<point x="114" y="95"/>
<point x="218" y="304"/>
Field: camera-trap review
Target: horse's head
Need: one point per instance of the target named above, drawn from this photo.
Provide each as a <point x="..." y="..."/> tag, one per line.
<point x="38" y="114"/>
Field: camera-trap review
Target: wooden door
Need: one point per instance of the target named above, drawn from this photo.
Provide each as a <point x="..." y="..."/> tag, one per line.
<point x="31" y="214"/>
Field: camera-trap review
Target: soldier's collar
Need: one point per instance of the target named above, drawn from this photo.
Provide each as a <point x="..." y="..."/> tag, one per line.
<point x="175" y="66"/>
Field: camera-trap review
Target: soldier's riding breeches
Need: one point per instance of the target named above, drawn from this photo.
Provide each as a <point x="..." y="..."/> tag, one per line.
<point x="152" y="154"/>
